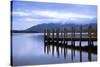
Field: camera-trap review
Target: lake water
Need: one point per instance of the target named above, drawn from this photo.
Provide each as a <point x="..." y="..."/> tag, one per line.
<point x="28" y="49"/>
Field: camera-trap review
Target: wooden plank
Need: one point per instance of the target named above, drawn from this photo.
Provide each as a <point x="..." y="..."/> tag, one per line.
<point x="74" y="39"/>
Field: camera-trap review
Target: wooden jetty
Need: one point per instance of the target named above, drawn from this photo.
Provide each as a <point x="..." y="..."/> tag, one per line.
<point x="60" y="38"/>
<point x="56" y="35"/>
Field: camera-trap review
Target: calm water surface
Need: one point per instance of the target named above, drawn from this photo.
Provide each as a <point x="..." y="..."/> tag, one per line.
<point x="28" y="49"/>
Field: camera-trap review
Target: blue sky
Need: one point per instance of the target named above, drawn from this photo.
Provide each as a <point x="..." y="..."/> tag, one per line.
<point x="26" y="14"/>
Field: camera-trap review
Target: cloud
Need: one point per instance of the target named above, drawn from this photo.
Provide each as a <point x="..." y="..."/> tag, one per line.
<point x="34" y="20"/>
<point x="52" y="14"/>
<point x="20" y="13"/>
<point x="60" y="14"/>
<point x="48" y="16"/>
<point x="31" y="19"/>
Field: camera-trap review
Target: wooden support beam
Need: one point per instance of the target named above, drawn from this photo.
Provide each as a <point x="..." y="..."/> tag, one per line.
<point x="80" y="43"/>
<point x="89" y="44"/>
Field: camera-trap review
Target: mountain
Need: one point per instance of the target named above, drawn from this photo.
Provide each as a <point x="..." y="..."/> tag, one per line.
<point x="41" y="27"/>
<point x="59" y="25"/>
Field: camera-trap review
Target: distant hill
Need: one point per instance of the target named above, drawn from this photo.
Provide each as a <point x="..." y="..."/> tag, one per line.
<point x="41" y="27"/>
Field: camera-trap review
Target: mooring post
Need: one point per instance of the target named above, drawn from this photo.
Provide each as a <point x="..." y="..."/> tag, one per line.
<point x="64" y="35"/>
<point x="45" y="40"/>
<point x="80" y="43"/>
<point x="66" y="39"/>
<point x="52" y="35"/>
<point x="74" y="40"/>
<point x="92" y="36"/>
<point x="72" y="43"/>
<point x="61" y="36"/>
<point x="60" y="42"/>
<point x="48" y="41"/>
<point x="89" y="44"/>
<point x="53" y="42"/>
<point x="57" y="36"/>
<point x="57" y="46"/>
<point x="72" y="37"/>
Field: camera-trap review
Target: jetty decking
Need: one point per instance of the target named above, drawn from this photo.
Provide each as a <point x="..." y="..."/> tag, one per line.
<point x="63" y="34"/>
<point x="57" y="35"/>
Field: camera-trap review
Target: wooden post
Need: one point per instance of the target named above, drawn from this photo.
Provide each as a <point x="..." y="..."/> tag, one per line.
<point x="57" y="46"/>
<point x="57" y="42"/>
<point x="44" y="40"/>
<point x="89" y="43"/>
<point x="72" y="37"/>
<point x="48" y="41"/>
<point x="66" y="37"/>
<point x="53" y="36"/>
<point x="92" y="36"/>
<point x="74" y="41"/>
<point x="72" y="44"/>
<point x="57" y="31"/>
<point x="80" y="43"/>
<point x="53" y="42"/>
<point x="61" y="35"/>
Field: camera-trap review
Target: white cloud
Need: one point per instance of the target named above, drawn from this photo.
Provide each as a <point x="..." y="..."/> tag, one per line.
<point x="20" y="13"/>
<point x="60" y="15"/>
<point x="53" y="14"/>
<point x="40" y="20"/>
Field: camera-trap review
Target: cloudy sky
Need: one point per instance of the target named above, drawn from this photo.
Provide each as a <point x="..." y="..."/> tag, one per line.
<point x="27" y="14"/>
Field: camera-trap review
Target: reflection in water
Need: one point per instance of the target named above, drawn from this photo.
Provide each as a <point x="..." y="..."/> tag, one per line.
<point x="32" y="49"/>
<point x="58" y="39"/>
<point x="60" y="46"/>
